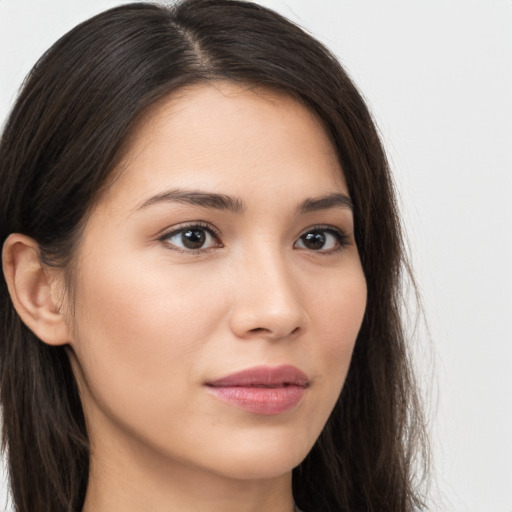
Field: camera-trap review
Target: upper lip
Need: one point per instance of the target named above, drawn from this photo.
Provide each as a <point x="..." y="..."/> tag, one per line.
<point x="264" y="376"/>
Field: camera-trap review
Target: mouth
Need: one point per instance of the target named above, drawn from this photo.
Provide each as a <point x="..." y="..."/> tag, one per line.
<point x="262" y="390"/>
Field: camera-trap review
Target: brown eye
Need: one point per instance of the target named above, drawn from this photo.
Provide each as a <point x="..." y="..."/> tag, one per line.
<point x="314" y="240"/>
<point x="322" y="240"/>
<point x="192" y="238"/>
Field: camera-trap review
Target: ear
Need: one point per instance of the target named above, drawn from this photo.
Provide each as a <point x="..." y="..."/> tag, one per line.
<point x="35" y="290"/>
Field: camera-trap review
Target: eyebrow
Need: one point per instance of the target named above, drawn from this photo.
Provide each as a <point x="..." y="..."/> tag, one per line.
<point x="334" y="200"/>
<point x="236" y="205"/>
<point x="196" y="198"/>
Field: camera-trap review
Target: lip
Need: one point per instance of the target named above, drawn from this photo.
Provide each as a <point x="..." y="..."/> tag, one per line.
<point x="263" y="389"/>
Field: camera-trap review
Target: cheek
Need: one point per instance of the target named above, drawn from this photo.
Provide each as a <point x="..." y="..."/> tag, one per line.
<point x="336" y="317"/>
<point x="342" y="316"/>
<point x="341" y="308"/>
<point x="141" y="333"/>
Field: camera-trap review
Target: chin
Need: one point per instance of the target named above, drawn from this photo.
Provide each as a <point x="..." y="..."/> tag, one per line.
<point x="263" y="458"/>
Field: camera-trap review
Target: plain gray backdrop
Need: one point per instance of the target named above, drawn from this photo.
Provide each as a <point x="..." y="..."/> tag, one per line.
<point x="438" y="77"/>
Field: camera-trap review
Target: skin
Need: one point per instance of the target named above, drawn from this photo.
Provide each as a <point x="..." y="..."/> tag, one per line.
<point x="153" y="321"/>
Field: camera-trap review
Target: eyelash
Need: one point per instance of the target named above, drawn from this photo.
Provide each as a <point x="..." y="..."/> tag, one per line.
<point x="202" y="226"/>
<point x="341" y="238"/>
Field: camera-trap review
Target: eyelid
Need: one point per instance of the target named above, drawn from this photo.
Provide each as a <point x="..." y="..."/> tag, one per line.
<point x="174" y="230"/>
<point x="165" y="233"/>
<point x="343" y="238"/>
<point x="340" y="234"/>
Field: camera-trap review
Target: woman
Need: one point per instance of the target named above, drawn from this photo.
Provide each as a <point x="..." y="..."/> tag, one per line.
<point x="202" y="262"/>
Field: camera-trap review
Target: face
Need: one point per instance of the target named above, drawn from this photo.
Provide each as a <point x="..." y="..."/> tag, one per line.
<point x="219" y="290"/>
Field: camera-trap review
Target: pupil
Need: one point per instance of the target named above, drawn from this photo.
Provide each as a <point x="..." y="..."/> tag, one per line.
<point x="314" y="240"/>
<point x="193" y="238"/>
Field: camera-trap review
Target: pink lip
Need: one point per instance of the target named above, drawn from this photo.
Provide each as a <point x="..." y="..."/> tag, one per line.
<point x="262" y="389"/>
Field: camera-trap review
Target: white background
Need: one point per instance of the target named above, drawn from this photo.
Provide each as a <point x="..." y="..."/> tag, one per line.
<point x="438" y="76"/>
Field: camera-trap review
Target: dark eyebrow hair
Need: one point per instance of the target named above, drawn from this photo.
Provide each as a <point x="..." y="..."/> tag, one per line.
<point x="334" y="200"/>
<point x="196" y="198"/>
<point x="235" y="205"/>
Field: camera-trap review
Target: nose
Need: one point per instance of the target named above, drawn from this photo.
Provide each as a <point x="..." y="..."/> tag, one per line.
<point x="267" y="301"/>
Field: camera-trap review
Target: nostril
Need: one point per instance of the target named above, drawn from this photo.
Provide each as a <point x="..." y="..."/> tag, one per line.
<point x="257" y="330"/>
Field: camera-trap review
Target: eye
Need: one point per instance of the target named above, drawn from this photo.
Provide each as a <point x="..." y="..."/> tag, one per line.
<point x="192" y="238"/>
<point x="322" y="239"/>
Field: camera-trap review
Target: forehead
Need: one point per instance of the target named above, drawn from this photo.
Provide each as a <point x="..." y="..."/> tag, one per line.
<point x="224" y="136"/>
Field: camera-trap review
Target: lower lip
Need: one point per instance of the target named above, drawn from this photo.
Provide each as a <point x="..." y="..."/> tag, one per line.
<point x="266" y="401"/>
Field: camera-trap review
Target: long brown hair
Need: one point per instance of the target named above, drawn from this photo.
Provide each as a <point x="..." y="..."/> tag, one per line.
<point x="61" y="142"/>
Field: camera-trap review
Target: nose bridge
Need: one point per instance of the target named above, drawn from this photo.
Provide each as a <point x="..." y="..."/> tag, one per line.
<point x="267" y="298"/>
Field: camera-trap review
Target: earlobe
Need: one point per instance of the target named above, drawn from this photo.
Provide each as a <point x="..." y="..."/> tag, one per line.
<point x="30" y="287"/>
